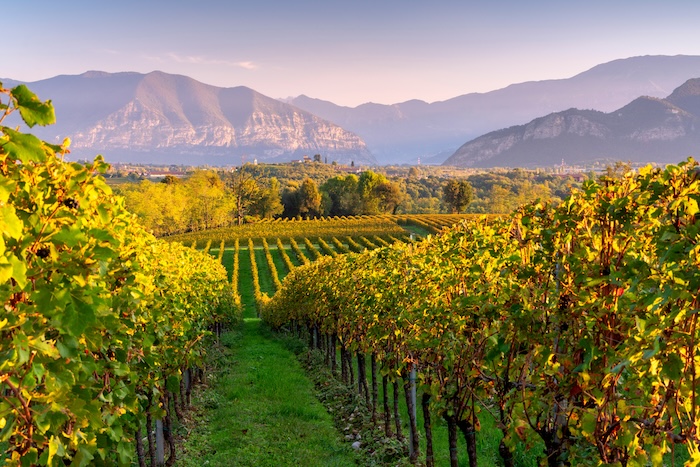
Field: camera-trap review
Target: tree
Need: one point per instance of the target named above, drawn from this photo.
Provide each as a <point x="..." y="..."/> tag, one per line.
<point x="290" y="200"/>
<point x="501" y="200"/>
<point x="243" y="184"/>
<point x="210" y="204"/>
<point x="269" y="204"/>
<point x="309" y="199"/>
<point x="389" y="196"/>
<point x="162" y="208"/>
<point x="341" y="197"/>
<point x="367" y="183"/>
<point x="170" y="180"/>
<point x="457" y="194"/>
<point x="317" y="158"/>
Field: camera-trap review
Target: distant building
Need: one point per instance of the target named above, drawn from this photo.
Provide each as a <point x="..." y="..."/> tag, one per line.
<point x="349" y="170"/>
<point x="163" y="174"/>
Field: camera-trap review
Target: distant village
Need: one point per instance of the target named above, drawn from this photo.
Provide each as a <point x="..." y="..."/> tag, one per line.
<point x="135" y="172"/>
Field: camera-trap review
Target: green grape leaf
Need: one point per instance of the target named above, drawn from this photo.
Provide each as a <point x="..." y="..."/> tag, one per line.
<point x="173" y="384"/>
<point x="71" y="236"/>
<point x="23" y="147"/>
<point x="67" y="347"/>
<point x="6" y="270"/>
<point x="82" y="458"/>
<point x="33" y="111"/>
<point x="55" y="449"/>
<point x="7" y="186"/>
<point x="673" y="367"/>
<point x="19" y="271"/>
<point x="6" y="431"/>
<point x="9" y="222"/>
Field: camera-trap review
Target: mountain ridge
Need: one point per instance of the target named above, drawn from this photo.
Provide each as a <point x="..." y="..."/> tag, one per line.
<point x="160" y="117"/>
<point x="647" y="129"/>
<point x="406" y="131"/>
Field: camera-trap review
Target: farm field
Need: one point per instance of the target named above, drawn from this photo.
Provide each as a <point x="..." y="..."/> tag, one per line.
<point x="258" y="275"/>
<point x="573" y="325"/>
<point x="280" y="246"/>
<point x="563" y="333"/>
<point x="385" y="226"/>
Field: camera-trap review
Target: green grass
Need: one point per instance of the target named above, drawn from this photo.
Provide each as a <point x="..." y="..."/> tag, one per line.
<point x="266" y="284"/>
<point x="260" y="410"/>
<point x="245" y="281"/>
<point x="279" y="263"/>
<point x="227" y="261"/>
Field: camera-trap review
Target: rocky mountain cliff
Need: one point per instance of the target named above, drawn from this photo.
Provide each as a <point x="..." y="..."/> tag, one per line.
<point x="648" y="129"/>
<point x="405" y="131"/>
<point x="163" y="118"/>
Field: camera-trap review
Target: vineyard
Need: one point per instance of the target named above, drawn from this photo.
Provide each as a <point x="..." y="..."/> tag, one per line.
<point x="385" y="227"/>
<point x="104" y="328"/>
<point x="558" y="335"/>
<point x="573" y="327"/>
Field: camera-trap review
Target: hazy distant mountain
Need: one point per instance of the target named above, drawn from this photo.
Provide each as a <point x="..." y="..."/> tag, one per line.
<point x="163" y="118"/>
<point x="159" y="117"/>
<point x="403" y="132"/>
<point x="648" y="129"/>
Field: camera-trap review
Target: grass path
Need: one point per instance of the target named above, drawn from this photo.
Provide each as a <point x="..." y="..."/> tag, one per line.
<point x="261" y="410"/>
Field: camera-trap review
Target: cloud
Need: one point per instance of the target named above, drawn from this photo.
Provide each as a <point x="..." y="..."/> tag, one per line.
<point x="248" y="65"/>
<point x="200" y="60"/>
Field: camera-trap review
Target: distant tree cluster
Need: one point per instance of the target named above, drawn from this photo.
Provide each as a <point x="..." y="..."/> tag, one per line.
<point x="205" y="200"/>
<point x="502" y="192"/>
<point x="210" y="198"/>
<point x="343" y="195"/>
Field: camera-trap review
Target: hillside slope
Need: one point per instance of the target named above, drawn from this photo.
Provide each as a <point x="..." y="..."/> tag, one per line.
<point x="164" y="118"/>
<point x="648" y="129"/>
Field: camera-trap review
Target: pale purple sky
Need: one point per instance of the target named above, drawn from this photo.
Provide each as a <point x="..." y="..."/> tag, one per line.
<point x="348" y="52"/>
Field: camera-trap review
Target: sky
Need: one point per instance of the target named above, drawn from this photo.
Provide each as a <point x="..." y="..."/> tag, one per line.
<point x="347" y="52"/>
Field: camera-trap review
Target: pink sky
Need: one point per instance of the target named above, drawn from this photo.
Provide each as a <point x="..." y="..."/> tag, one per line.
<point x="349" y="52"/>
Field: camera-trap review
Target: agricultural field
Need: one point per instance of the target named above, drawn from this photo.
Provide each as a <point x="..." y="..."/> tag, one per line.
<point x="572" y="328"/>
<point x="258" y="256"/>
<point x="257" y="265"/>
<point x="385" y="227"/>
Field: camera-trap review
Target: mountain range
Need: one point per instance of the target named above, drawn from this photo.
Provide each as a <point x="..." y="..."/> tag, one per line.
<point x="163" y="118"/>
<point x="648" y="129"/>
<point x="406" y="131"/>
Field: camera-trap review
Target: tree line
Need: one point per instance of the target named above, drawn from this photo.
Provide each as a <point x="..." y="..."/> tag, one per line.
<point x="215" y="198"/>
